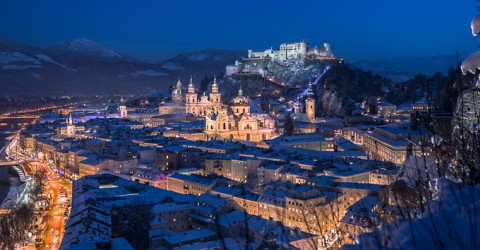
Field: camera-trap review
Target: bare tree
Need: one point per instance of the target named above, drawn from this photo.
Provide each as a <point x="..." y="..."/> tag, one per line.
<point x="15" y="225"/>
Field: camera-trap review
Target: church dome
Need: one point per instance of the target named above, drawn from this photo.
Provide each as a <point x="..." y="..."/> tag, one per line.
<point x="177" y="92"/>
<point x="241" y="100"/>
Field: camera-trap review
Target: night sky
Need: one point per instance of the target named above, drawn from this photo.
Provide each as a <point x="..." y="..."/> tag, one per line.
<point x="159" y="29"/>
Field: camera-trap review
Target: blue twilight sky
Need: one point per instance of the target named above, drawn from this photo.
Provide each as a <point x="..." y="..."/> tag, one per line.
<point x="159" y="29"/>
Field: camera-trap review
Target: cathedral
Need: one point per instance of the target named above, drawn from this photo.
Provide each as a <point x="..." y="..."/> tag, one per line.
<point x="222" y="121"/>
<point x="205" y="104"/>
<point x="236" y="122"/>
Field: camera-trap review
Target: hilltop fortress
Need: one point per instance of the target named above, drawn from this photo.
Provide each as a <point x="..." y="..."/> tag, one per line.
<point x="288" y="51"/>
<point x="257" y="60"/>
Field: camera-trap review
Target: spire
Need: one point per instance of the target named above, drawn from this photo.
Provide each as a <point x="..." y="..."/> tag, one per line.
<point x="191" y="87"/>
<point x="240" y="91"/>
<point x="179" y="84"/>
<point x="215" y="85"/>
<point x="70" y="121"/>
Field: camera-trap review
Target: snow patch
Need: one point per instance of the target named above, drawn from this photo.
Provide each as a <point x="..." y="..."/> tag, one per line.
<point x="109" y="53"/>
<point x="149" y="73"/>
<point x="172" y="66"/>
<point x="48" y="59"/>
<point x="84" y="45"/>
<point x="8" y="57"/>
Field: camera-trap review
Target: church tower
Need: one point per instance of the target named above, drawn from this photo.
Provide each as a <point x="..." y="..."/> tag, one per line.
<point x="298" y="106"/>
<point x="240" y="104"/>
<point x="215" y="96"/>
<point x="264" y="103"/>
<point x="122" y="109"/>
<point x="191" y="98"/>
<point x="310" y="108"/>
<point x="178" y="95"/>
<point x="70" y="127"/>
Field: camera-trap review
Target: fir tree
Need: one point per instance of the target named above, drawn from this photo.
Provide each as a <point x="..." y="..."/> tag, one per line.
<point x="288" y="127"/>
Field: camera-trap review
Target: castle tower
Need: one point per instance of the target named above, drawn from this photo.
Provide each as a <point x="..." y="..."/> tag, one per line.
<point x="70" y="127"/>
<point x="310" y="108"/>
<point x="215" y="96"/>
<point x="298" y="106"/>
<point x="122" y="109"/>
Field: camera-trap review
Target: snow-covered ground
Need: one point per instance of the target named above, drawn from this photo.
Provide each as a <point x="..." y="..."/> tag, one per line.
<point x="16" y="188"/>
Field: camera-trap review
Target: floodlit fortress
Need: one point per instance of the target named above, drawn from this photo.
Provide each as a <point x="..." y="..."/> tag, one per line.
<point x="256" y="61"/>
<point x="289" y="51"/>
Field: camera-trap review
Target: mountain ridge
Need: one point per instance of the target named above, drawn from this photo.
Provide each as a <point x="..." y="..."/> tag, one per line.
<point x="82" y="66"/>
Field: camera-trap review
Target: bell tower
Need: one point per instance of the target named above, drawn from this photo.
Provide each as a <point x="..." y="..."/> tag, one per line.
<point x="122" y="109"/>
<point x="264" y="103"/>
<point x="298" y="106"/>
<point x="310" y="108"/>
<point x="191" y="98"/>
<point x="70" y="127"/>
<point x="215" y="96"/>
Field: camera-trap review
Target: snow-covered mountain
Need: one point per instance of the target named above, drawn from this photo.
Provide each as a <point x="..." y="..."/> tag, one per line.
<point x="87" y="47"/>
<point x="81" y="66"/>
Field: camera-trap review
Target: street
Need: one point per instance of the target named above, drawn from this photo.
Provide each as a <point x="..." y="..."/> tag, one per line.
<point x="47" y="231"/>
<point x="58" y="191"/>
